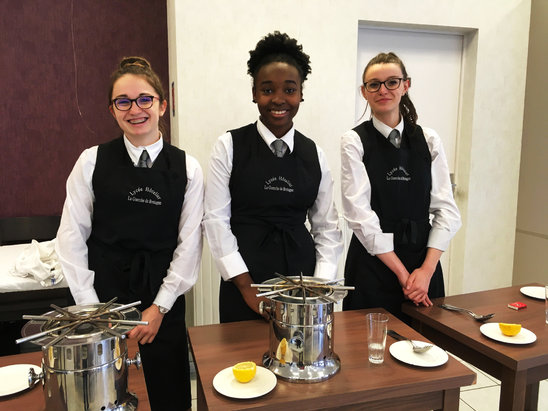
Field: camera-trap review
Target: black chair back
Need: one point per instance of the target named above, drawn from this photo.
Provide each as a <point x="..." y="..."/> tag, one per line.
<point x="20" y="230"/>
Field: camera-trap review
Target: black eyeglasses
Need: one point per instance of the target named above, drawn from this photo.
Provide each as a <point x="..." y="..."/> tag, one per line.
<point x="390" y="84"/>
<point x="124" y="103"/>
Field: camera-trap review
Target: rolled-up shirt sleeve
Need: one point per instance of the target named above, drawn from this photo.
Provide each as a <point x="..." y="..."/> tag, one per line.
<point x="183" y="270"/>
<point x="222" y="242"/>
<point x="324" y="225"/>
<point x="75" y="229"/>
<point x="356" y="198"/>
<point x="446" y="219"/>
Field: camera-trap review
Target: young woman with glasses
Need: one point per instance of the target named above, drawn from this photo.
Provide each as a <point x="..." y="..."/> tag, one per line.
<point x="131" y="229"/>
<point x="258" y="196"/>
<point x="394" y="176"/>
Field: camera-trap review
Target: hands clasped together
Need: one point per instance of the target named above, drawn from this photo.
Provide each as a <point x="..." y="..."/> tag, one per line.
<point x="416" y="287"/>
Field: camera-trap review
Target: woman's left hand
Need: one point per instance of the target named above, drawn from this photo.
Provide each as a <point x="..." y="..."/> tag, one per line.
<point x="146" y="333"/>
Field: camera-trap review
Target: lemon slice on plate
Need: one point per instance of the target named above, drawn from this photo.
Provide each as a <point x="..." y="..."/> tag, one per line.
<point x="510" y="329"/>
<point x="244" y="371"/>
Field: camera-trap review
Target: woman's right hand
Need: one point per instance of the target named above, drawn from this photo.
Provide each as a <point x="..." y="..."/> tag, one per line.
<point x="243" y="282"/>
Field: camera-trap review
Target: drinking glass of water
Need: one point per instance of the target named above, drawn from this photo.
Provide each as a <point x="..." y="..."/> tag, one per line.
<point x="376" y="336"/>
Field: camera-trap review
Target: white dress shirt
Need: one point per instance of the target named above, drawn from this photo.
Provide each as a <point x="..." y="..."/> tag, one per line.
<point x="356" y="194"/>
<point x="323" y="217"/>
<point x="75" y="229"/>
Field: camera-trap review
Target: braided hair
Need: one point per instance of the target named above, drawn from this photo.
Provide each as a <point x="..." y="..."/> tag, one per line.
<point x="407" y="109"/>
<point x="278" y="47"/>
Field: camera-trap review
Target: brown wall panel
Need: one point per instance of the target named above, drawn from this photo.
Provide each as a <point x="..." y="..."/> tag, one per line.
<point x="56" y="59"/>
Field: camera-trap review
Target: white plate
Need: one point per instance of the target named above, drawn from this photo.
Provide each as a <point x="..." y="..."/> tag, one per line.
<point x="403" y="351"/>
<point x="263" y="382"/>
<point x="492" y="330"/>
<point x="15" y="378"/>
<point x="534" y="292"/>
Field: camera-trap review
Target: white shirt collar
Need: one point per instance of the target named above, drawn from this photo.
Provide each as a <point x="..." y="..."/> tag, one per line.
<point x="135" y="152"/>
<point x="268" y="137"/>
<point x="384" y="129"/>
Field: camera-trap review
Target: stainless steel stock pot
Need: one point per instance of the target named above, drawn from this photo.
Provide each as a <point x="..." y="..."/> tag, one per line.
<point x="84" y="362"/>
<point x="302" y="329"/>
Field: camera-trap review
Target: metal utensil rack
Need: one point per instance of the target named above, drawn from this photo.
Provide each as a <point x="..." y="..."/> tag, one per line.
<point x="320" y="289"/>
<point x="61" y="323"/>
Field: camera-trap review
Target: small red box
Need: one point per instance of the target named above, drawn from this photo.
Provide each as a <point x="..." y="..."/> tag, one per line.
<point x="517" y="306"/>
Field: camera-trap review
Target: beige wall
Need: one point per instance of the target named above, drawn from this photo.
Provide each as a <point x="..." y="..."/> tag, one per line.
<point x="531" y="250"/>
<point x="209" y="44"/>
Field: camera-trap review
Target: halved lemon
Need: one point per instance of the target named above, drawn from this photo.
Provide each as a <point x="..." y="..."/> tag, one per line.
<point x="244" y="371"/>
<point x="283" y="352"/>
<point x="510" y="329"/>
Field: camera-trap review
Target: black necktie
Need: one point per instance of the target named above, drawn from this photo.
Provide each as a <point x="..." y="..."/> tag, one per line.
<point x="143" y="160"/>
<point x="279" y="147"/>
<point x="394" y="138"/>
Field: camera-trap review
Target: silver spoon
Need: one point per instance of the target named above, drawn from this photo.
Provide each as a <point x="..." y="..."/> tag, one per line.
<point x="476" y="317"/>
<point x="416" y="348"/>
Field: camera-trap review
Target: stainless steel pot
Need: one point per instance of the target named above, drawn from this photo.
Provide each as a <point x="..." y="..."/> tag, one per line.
<point x="86" y="369"/>
<point x="302" y="331"/>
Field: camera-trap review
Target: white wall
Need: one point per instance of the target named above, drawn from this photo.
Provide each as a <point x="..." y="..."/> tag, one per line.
<point x="209" y="44"/>
<point x="531" y="255"/>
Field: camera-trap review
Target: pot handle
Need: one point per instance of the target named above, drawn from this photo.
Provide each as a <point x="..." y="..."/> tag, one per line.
<point x="34" y="378"/>
<point x="264" y="309"/>
<point x="136" y="360"/>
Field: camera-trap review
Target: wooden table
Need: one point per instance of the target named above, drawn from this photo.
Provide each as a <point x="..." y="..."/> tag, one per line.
<point x="518" y="367"/>
<point x="358" y="384"/>
<point x="33" y="399"/>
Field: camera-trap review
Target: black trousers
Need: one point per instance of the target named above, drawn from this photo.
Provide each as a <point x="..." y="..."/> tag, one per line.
<point x="166" y="364"/>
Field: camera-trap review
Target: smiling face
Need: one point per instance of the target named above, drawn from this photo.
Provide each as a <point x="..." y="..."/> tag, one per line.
<point x="384" y="103"/>
<point x="139" y="125"/>
<point x="277" y="91"/>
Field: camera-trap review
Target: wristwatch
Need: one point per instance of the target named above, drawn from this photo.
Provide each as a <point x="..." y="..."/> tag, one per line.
<point x="163" y="310"/>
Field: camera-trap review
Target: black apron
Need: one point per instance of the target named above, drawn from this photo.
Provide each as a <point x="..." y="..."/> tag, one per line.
<point x="401" y="181"/>
<point x="270" y="200"/>
<point x="134" y="234"/>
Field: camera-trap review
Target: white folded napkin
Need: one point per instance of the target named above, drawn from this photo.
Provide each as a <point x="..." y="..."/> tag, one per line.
<point x="39" y="260"/>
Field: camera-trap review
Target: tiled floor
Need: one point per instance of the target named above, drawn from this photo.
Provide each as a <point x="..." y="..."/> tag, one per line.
<point x="482" y="396"/>
<point x="193" y="383"/>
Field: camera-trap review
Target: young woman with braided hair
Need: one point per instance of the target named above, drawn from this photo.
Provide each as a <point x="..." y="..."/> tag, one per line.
<point x="394" y="176"/>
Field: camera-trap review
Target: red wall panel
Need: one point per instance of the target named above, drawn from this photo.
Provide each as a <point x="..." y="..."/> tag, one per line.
<point x="57" y="57"/>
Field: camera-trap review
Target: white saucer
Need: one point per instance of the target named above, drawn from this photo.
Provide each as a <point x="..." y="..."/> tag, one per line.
<point x="492" y="330"/>
<point x="534" y="292"/>
<point x="263" y="382"/>
<point x="403" y="351"/>
<point x="15" y="378"/>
